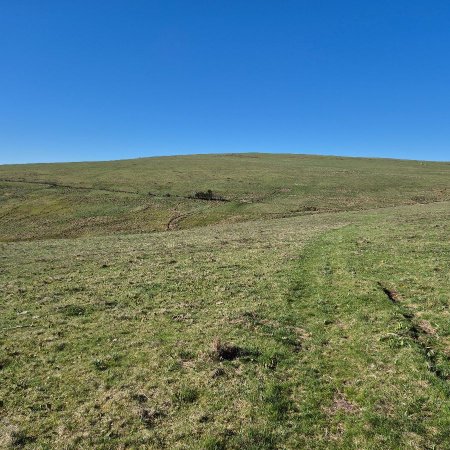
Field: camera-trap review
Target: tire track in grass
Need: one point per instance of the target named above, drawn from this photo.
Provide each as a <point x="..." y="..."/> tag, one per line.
<point x="417" y="334"/>
<point x="333" y="295"/>
<point x="173" y="222"/>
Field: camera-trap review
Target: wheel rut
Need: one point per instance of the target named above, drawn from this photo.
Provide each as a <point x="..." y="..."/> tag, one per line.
<point x="418" y="334"/>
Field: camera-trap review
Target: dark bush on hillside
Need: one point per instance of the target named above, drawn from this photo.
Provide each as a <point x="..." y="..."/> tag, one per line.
<point x="208" y="195"/>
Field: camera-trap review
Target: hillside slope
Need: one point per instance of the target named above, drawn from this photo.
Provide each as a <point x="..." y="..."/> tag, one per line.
<point x="325" y="332"/>
<point x="307" y="306"/>
<point x="154" y="194"/>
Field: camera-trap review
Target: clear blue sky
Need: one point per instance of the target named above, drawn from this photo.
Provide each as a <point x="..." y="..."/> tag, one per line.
<point x="94" y="80"/>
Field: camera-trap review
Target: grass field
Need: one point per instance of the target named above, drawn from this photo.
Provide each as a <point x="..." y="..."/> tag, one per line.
<point x="311" y="310"/>
<point x="41" y="201"/>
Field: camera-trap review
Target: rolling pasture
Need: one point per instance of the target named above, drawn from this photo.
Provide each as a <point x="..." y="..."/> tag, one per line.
<point x="41" y="201"/>
<point x="305" y="304"/>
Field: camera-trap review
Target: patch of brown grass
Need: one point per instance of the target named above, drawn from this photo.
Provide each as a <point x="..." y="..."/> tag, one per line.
<point x="340" y="403"/>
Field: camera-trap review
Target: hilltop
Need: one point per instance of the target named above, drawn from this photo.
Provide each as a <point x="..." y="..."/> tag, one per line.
<point x="41" y="201"/>
<point x="225" y="302"/>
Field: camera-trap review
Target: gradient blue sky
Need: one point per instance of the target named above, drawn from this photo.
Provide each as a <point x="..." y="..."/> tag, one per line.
<point x="94" y="80"/>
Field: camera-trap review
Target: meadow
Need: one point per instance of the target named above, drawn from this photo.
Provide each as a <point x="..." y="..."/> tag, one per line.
<point x="41" y="201"/>
<point x="306" y="306"/>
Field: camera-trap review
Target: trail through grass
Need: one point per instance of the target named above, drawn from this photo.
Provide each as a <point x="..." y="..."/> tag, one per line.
<point x="111" y="342"/>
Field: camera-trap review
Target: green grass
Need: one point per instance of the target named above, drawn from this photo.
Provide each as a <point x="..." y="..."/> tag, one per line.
<point x="263" y="334"/>
<point x="82" y="199"/>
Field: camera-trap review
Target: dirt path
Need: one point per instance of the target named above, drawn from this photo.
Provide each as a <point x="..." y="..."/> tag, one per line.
<point x="173" y="222"/>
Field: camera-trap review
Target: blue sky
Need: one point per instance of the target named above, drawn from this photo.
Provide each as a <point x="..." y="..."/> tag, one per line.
<point x="95" y="80"/>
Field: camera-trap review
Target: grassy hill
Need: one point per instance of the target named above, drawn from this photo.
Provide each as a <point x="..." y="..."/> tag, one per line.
<point x="312" y="312"/>
<point x="153" y="194"/>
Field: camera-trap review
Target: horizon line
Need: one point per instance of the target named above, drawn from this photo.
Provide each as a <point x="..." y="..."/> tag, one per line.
<point x="177" y="155"/>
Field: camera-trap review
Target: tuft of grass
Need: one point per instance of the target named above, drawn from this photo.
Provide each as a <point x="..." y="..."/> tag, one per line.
<point x="100" y="364"/>
<point x="73" y="310"/>
<point x="186" y="394"/>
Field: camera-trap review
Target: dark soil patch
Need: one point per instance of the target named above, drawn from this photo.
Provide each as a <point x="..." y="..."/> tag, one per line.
<point x="392" y="294"/>
<point x="140" y="398"/>
<point x="221" y="351"/>
<point x="149" y="416"/>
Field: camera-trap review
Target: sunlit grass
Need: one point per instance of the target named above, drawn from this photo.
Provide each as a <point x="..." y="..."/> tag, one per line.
<point x="111" y="342"/>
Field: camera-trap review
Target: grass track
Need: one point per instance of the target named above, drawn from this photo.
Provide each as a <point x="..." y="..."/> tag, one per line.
<point x="106" y="341"/>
